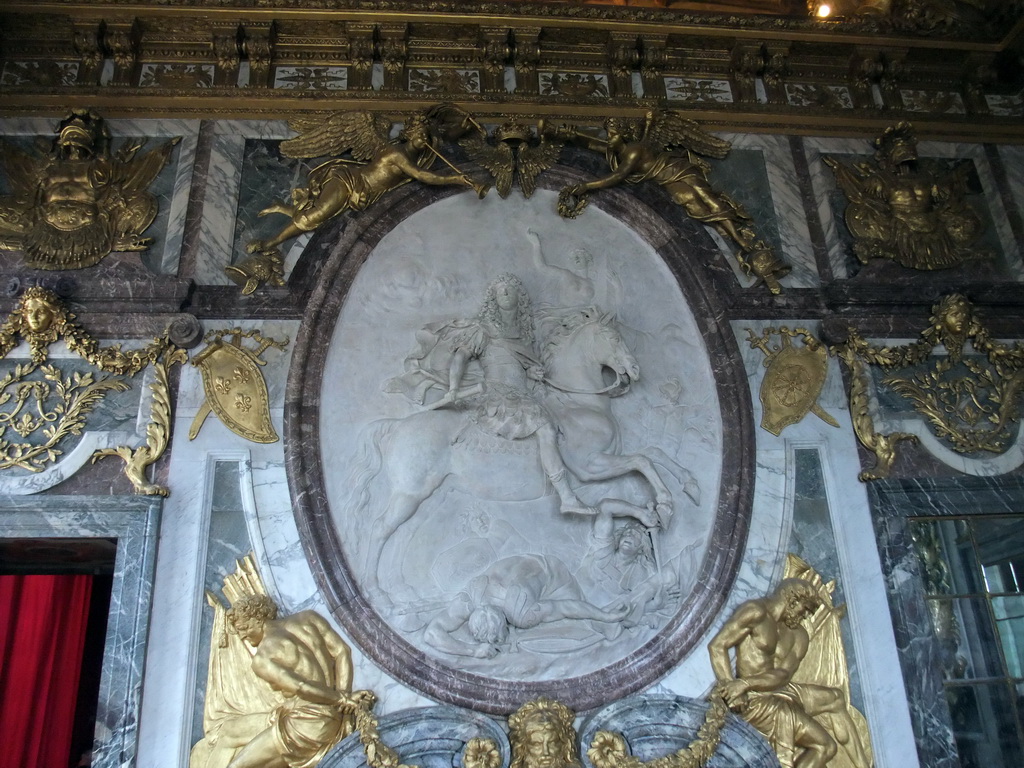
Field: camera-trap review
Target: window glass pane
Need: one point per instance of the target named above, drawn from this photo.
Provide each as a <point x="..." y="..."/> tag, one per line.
<point x="984" y="725"/>
<point x="1009" y="613"/>
<point x="1001" y="549"/>
<point x="948" y="562"/>
<point x="964" y="629"/>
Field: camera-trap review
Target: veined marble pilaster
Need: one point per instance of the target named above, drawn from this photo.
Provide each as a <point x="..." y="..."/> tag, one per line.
<point x="134" y="522"/>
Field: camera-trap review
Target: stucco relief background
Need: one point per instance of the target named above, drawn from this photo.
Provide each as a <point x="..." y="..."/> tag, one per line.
<point x="466" y="526"/>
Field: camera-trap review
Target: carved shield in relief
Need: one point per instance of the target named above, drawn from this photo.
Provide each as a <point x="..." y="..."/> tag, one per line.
<point x="791" y="385"/>
<point x="236" y="391"/>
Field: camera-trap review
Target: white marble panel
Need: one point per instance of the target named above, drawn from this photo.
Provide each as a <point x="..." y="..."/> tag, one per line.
<point x="311" y="78"/>
<point x="788" y="207"/>
<point x="220" y="203"/>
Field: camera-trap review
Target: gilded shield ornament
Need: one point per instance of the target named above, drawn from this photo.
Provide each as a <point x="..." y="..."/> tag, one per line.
<point x="793" y="380"/>
<point x="235" y="388"/>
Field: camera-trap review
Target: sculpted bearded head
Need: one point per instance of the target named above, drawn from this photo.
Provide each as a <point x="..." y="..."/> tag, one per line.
<point x="799" y="600"/>
<point x="542" y="736"/>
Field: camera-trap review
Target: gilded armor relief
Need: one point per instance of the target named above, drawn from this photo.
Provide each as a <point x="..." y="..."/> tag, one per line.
<point x="169" y="190"/>
<point x="994" y="238"/>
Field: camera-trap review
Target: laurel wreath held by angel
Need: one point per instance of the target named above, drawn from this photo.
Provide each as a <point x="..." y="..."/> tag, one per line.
<point x="666" y="148"/>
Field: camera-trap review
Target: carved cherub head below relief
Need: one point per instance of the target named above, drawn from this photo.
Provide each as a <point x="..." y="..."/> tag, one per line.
<point x="542" y="736"/>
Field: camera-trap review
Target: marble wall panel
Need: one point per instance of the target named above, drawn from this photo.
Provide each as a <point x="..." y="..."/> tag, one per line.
<point x="134" y="522"/>
<point x="760" y="173"/>
<point x="229" y="186"/>
<point x="894" y="503"/>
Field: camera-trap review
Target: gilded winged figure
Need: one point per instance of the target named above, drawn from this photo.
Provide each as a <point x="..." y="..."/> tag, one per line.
<point x="73" y="205"/>
<point x="899" y="210"/>
<point x="376" y="165"/>
<point x="665" y="148"/>
<point x="516" y="154"/>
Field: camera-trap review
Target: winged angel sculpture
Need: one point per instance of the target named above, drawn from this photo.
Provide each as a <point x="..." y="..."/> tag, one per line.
<point x="75" y="204"/>
<point x="377" y="166"/>
<point x="665" y="148"/>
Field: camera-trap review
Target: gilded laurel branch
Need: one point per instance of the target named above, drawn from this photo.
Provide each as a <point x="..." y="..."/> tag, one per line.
<point x="608" y="749"/>
<point x="378" y="754"/>
<point x="60" y="404"/>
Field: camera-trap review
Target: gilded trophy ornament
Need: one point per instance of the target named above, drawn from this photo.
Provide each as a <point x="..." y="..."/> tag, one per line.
<point x="513" y="152"/>
<point x="375" y="165"/>
<point x="666" y="148"/>
<point x="72" y="206"/>
<point x="41" y="319"/>
<point x="790" y="679"/>
<point x="900" y="209"/>
<point x="794" y="378"/>
<point x="279" y="688"/>
<point x="158" y="431"/>
<point x="970" y="397"/>
<point x="234" y="385"/>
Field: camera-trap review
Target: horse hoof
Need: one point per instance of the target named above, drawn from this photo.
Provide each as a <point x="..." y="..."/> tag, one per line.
<point x="664" y="510"/>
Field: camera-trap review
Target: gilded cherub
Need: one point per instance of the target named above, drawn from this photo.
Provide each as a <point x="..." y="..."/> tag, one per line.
<point x="74" y="205"/>
<point x="378" y="165"/>
<point x="665" y="148"/>
<point x="900" y="211"/>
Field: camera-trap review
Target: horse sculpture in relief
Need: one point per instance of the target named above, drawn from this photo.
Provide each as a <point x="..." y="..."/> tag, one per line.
<point x="502" y="397"/>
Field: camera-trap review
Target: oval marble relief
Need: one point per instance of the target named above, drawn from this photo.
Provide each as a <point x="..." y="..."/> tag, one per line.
<point x="506" y="447"/>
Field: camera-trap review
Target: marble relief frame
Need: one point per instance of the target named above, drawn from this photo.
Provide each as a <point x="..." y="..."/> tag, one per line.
<point x="684" y="247"/>
<point x="134" y="522"/>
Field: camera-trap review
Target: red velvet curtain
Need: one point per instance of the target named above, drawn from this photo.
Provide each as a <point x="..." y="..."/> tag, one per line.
<point x="42" y="631"/>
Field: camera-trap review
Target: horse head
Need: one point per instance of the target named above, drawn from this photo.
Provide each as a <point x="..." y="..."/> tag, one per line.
<point x="585" y="345"/>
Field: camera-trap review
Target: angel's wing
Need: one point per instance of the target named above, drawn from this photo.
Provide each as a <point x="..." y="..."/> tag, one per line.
<point x="533" y="160"/>
<point x="363" y="134"/>
<point x="670" y="129"/>
<point x="23" y="170"/>
<point x="137" y="173"/>
<point x="498" y="160"/>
